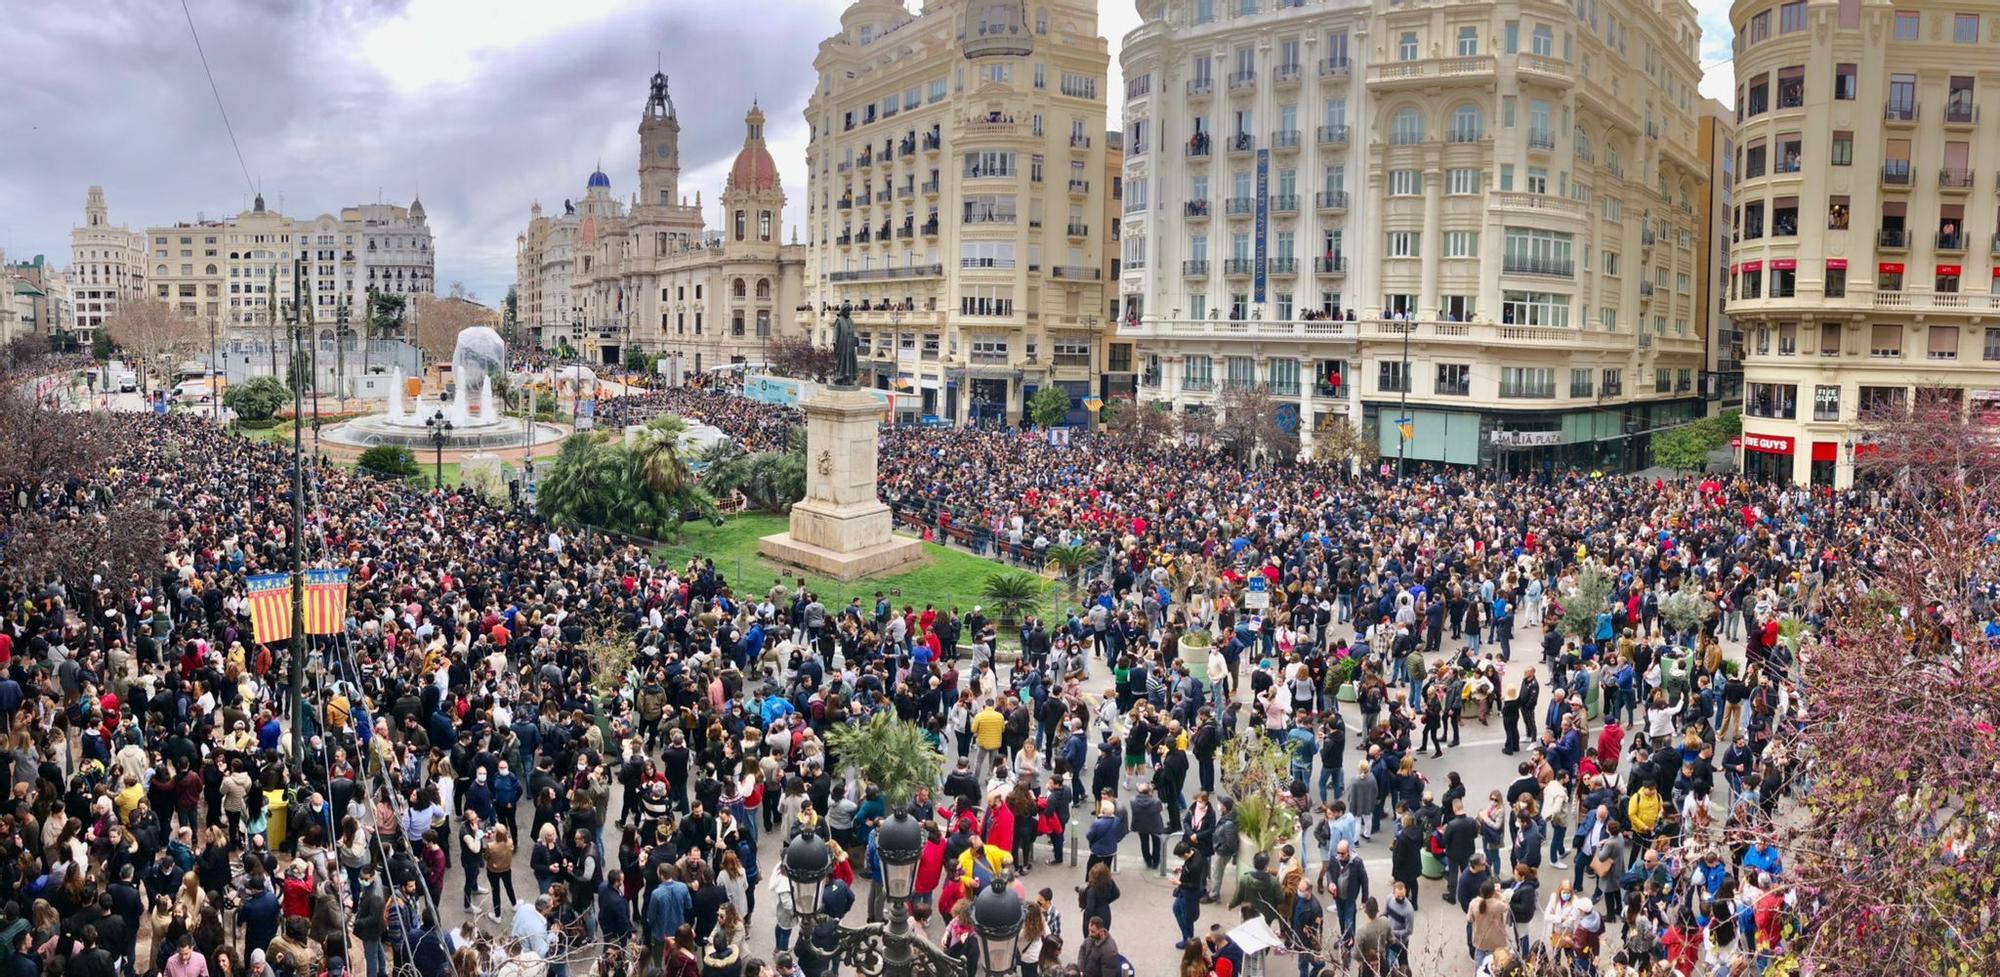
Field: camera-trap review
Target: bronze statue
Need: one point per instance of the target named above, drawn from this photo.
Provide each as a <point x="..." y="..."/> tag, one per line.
<point x="845" y="349"/>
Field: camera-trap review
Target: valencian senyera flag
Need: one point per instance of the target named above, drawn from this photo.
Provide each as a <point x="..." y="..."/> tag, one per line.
<point x="326" y="601"/>
<point x="270" y="598"/>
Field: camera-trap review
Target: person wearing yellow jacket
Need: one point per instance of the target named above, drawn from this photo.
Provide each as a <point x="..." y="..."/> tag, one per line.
<point x="1642" y="812"/>
<point x="988" y="728"/>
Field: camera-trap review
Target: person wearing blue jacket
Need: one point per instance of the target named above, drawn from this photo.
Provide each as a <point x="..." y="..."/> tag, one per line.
<point x="1104" y="834"/>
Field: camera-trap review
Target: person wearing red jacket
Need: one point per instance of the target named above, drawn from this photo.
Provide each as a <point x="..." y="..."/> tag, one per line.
<point x="1610" y="743"/>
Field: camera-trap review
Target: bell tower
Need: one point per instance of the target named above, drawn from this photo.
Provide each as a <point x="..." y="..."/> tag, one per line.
<point x="659" y="148"/>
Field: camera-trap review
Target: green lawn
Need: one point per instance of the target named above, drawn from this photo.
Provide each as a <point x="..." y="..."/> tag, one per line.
<point x="947" y="577"/>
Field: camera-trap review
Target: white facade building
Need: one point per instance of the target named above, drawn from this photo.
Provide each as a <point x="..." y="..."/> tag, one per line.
<point x="1500" y="195"/>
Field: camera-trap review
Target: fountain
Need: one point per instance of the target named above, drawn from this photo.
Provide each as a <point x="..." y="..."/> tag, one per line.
<point x="477" y="422"/>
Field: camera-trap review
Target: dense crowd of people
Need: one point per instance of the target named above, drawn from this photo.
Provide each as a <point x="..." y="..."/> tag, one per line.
<point x="663" y="728"/>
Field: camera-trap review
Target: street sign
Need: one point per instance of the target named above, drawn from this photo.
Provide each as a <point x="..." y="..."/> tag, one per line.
<point x="1258" y="595"/>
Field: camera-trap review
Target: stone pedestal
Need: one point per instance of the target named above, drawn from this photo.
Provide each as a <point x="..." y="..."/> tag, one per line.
<point x="841" y="529"/>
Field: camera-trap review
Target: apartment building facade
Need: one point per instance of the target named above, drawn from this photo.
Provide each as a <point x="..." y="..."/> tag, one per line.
<point x="956" y="187"/>
<point x="1476" y="218"/>
<point x="1864" y="201"/>
<point x="107" y="265"/>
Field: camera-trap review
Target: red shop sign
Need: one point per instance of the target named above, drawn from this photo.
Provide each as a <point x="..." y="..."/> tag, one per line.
<point x="1769" y="444"/>
<point x="1736" y="442"/>
<point x="1753" y="266"/>
<point x="1890" y="268"/>
<point x="1839" y="263"/>
<point x="1784" y="264"/>
<point x="1951" y="270"/>
<point x="1826" y="451"/>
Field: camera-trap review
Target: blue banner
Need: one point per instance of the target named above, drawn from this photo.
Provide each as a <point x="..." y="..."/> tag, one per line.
<point x="1263" y="219"/>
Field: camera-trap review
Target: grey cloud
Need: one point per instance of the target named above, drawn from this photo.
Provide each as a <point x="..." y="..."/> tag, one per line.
<point x="113" y="93"/>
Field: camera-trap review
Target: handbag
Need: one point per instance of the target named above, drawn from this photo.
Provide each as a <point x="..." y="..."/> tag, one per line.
<point x="1600" y="866"/>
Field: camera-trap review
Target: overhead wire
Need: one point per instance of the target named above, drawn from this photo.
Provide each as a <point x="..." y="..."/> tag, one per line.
<point x="217" y="91"/>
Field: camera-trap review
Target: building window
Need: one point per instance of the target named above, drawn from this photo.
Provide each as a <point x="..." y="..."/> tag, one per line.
<point x="1468" y="42"/>
<point x="1408" y="128"/>
<point x="1454" y="379"/>
<point x="1406" y="47"/>
<point x="1405" y="183"/>
<point x="1461" y="244"/>
<point x="1771" y="399"/>
<point x="1843" y="149"/>
<point x="1792" y="17"/>
<point x="1826" y="402"/>
<point x="1534" y="309"/>
<point x="1405" y="244"/>
<point x="1906" y="26"/>
<point x="1844" y="82"/>
<point x="1461" y="182"/>
<point x="1528" y="382"/>
<point x="1965" y="28"/>
<point x="1836" y="283"/>
<point x="1391" y="376"/>
<point x="1580" y="382"/>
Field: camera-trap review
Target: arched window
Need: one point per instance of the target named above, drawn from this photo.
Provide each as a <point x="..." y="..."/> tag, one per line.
<point x="211" y="269"/>
<point x="763" y="288"/>
<point x="1407" y="128"/>
<point x="742" y="221"/>
<point x="738" y="288"/>
<point x="1468" y="124"/>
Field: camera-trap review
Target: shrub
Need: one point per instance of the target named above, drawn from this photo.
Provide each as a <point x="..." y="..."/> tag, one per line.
<point x="387" y="461"/>
<point x="256" y="400"/>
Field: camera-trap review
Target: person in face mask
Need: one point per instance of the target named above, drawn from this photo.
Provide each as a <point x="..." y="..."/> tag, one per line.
<point x="506" y="794"/>
<point x="479" y="798"/>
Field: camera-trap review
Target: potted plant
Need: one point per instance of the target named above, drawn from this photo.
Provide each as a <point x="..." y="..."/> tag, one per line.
<point x="1194" y="646"/>
<point x="1257" y="776"/>
<point x="1344" y="672"/>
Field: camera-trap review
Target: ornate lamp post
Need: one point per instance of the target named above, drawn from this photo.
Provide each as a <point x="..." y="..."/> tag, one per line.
<point x="440" y="427"/>
<point x="893" y="948"/>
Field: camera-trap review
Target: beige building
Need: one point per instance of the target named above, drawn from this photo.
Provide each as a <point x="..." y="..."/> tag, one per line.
<point x="1115" y="368"/>
<point x="955" y="171"/>
<point x="39" y="299"/>
<point x="1722" y="383"/>
<point x="652" y="277"/>
<point x="233" y="271"/>
<point x="1479" y="216"/>
<point x="1861" y="211"/>
<point x="107" y="265"/>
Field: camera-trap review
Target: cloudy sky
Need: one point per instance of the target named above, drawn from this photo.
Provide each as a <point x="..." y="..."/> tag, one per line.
<point x="485" y="106"/>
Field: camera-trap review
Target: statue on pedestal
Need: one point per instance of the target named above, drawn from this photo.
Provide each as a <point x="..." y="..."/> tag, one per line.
<point x="845" y="349"/>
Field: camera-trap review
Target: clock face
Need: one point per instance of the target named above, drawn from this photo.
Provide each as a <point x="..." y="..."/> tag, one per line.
<point x="666" y="152"/>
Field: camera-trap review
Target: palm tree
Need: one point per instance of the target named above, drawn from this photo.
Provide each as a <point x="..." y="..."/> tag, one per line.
<point x="1014" y="595"/>
<point x="1071" y="558"/>
<point x="658" y="447"/>
<point x="580" y="482"/>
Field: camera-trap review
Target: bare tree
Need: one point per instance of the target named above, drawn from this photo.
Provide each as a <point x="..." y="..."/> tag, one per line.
<point x="441" y="319"/>
<point x="797" y="357"/>
<point x="1250" y="422"/>
<point x="1140" y="424"/>
<point x="154" y="333"/>
<point x="1339" y="440"/>
<point x="49" y="444"/>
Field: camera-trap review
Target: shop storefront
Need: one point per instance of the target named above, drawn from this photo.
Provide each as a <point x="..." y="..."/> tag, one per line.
<point x="1768" y="457"/>
<point x="1605" y="439"/>
<point x="1825" y="463"/>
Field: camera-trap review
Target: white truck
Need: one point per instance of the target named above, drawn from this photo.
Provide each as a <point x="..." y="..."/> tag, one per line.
<point x="116" y="372"/>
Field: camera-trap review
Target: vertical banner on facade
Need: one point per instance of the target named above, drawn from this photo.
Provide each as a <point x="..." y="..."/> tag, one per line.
<point x="1263" y="219"/>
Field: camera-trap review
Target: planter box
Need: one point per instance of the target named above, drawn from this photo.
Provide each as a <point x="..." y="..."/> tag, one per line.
<point x="1348" y="692"/>
<point x="1433" y="869"/>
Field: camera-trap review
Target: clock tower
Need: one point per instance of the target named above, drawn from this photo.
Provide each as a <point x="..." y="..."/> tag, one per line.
<point x="659" y="149"/>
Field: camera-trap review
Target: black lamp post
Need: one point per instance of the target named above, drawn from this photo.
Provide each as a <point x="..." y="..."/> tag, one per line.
<point x="440" y="427"/>
<point x="891" y="948"/>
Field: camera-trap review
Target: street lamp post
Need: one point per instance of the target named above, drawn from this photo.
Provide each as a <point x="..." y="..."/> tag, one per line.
<point x="893" y="948"/>
<point x="440" y="428"/>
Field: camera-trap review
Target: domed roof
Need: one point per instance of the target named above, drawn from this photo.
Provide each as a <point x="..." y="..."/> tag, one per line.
<point x="754" y="169"/>
<point x="417" y="208"/>
<point x="598" y="179"/>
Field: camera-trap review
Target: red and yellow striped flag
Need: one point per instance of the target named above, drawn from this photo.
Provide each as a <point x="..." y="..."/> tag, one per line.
<point x="326" y="601"/>
<point x="270" y="598"/>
